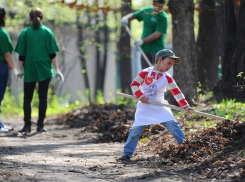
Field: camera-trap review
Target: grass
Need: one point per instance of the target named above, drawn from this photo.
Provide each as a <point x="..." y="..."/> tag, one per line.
<point x="11" y="108"/>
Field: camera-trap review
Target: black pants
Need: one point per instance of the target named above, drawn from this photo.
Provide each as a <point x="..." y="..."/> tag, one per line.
<point x="43" y="100"/>
<point x="151" y="58"/>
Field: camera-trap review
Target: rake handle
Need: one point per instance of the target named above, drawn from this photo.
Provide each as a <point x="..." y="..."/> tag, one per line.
<point x="173" y="107"/>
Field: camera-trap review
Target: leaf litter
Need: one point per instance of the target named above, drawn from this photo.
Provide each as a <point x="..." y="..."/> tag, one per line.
<point x="216" y="153"/>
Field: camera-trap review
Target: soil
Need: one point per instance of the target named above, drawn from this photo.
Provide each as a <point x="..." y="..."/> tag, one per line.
<point x="84" y="145"/>
<point x="67" y="154"/>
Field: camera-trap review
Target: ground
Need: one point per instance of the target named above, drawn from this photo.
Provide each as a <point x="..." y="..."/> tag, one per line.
<point x="84" y="145"/>
<point x="67" y="154"/>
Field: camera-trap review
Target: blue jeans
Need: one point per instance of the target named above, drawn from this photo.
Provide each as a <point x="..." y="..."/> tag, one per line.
<point x="4" y="76"/>
<point x="136" y="131"/>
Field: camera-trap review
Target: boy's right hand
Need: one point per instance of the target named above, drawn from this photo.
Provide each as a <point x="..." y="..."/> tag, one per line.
<point x="144" y="100"/>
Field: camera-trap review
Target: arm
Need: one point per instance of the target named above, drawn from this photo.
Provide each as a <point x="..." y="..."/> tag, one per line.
<point x="55" y="64"/>
<point x="176" y="92"/>
<point x="21" y="63"/>
<point x="126" y="19"/>
<point x="129" y="16"/>
<point x="178" y="95"/>
<point x="152" y="37"/>
<point x="135" y="86"/>
<point x="58" y="74"/>
<point x="9" y="60"/>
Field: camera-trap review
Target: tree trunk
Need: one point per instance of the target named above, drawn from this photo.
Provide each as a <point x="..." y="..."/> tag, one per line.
<point x="101" y="54"/>
<point x="83" y="61"/>
<point x="232" y="35"/>
<point x="207" y="45"/>
<point x="125" y="52"/>
<point x="98" y="42"/>
<point x="185" y="74"/>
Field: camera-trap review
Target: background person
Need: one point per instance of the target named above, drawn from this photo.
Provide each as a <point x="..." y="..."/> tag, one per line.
<point x="155" y="24"/>
<point x="6" y="61"/>
<point x="37" y="51"/>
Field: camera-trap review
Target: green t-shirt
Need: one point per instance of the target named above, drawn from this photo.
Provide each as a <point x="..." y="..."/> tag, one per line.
<point x="152" y="22"/>
<point x="36" y="46"/>
<point x="5" y="44"/>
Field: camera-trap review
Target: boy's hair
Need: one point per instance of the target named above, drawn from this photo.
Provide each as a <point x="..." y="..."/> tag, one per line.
<point x="166" y="53"/>
<point x="159" y="1"/>
<point x="2" y="15"/>
<point x="36" y="15"/>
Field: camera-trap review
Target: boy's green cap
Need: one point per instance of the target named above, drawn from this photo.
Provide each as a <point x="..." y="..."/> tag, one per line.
<point x="167" y="53"/>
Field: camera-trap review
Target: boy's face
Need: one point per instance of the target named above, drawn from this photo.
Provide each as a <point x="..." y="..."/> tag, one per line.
<point x="165" y="64"/>
<point x="157" y="7"/>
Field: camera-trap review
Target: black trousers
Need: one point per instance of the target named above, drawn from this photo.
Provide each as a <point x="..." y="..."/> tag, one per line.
<point x="43" y="101"/>
<point x="151" y="58"/>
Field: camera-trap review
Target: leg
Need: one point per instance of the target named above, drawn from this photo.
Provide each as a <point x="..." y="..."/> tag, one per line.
<point x="175" y="129"/>
<point x="4" y="75"/>
<point x="43" y="101"/>
<point x="133" y="138"/>
<point x="28" y="95"/>
<point x="151" y="58"/>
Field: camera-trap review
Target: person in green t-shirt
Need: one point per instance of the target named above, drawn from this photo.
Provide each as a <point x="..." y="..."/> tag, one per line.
<point x="6" y="62"/>
<point x="154" y="29"/>
<point x="37" y="57"/>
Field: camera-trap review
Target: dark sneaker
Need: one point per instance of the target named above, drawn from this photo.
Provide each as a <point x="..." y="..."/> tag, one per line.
<point x="41" y="129"/>
<point x="25" y="129"/>
<point x="124" y="158"/>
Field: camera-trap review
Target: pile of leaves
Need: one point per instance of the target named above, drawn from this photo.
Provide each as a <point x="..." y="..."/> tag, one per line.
<point x="216" y="152"/>
<point x="112" y="121"/>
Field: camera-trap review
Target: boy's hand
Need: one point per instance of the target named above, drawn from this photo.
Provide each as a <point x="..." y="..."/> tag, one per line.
<point x="144" y="100"/>
<point x="188" y="108"/>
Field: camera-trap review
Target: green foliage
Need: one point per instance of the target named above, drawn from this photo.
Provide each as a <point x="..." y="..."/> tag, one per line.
<point x="99" y="97"/>
<point x="143" y="139"/>
<point x="229" y="109"/>
<point x="240" y="75"/>
<point x="207" y="124"/>
<point x="56" y="105"/>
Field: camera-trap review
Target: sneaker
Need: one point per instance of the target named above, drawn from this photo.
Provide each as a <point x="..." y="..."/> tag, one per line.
<point x="124" y="157"/>
<point x="25" y="129"/>
<point x="41" y="129"/>
<point x="7" y="127"/>
<point x="3" y="130"/>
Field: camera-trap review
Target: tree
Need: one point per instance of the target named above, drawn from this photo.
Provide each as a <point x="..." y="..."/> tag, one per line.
<point x="125" y="52"/>
<point x="207" y="45"/>
<point x="185" y="73"/>
<point x="232" y="36"/>
<point x="80" y="45"/>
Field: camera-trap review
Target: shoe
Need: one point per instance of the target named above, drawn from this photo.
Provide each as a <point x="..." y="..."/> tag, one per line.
<point x="26" y="129"/>
<point x="124" y="157"/>
<point x="41" y="129"/>
<point x="7" y="127"/>
<point x="3" y="130"/>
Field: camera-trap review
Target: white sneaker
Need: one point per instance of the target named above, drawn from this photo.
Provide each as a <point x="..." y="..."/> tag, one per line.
<point x="3" y="130"/>
<point x="7" y="127"/>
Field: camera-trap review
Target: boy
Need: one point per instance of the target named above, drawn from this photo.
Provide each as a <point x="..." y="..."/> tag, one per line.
<point x="154" y="81"/>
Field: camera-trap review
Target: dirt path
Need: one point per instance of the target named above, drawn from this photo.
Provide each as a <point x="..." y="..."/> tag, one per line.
<point x="64" y="154"/>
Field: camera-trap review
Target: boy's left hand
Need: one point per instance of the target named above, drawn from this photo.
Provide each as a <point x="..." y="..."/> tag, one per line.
<point x="188" y="108"/>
